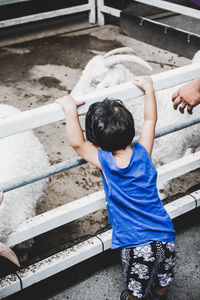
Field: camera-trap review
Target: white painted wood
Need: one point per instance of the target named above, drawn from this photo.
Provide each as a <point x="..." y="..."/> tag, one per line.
<point x="106" y="239"/>
<point x="181" y="206"/>
<point x="51" y="113"/>
<point x="180" y="9"/>
<point x="179" y="167"/>
<point x="92" y="13"/>
<point x="69" y="257"/>
<point x="45" y="15"/>
<point x="110" y="11"/>
<point x="6" y="2"/>
<point x="100" y="15"/>
<point x="56" y="217"/>
<point x="166" y="27"/>
<point x="50" y="266"/>
<point x="79" y="208"/>
<point x="9" y="285"/>
<point x="196" y="195"/>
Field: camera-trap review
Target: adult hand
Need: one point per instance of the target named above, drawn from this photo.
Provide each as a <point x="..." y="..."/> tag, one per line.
<point x="187" y="96"/>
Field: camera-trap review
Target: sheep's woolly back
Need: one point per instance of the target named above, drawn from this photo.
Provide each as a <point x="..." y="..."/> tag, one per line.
<point x="19" y="155"/>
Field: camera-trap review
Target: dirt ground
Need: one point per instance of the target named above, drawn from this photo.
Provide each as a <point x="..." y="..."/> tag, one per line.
<point x="37" y="72"/>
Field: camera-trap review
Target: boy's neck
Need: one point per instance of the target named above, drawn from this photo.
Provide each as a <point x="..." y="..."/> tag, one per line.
<point x="122" y="157"/>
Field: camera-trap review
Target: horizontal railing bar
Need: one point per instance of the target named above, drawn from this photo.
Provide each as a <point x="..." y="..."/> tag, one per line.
<point x="110" y="10"/>
<point x="41" y="174"/>
<point x="176" y="127"/>
<point x="56" y="217"/>
<point x="183" y="205"/>
<point x="8" y="2"/>
<point x="51" y="265"/>
<point x="80" y="252"/>
<point x="86" y="205"/>
<point x="75" y="162"/>
<point x="52" y="112"/>
<point x="177" y="8"/>
<point x="45" y="15"/>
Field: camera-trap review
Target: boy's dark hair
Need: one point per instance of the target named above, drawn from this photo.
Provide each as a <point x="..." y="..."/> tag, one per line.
<point x="109" y="125"/>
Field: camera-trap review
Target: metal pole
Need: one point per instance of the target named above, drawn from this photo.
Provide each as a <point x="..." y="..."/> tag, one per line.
<point x="69" y="164"/>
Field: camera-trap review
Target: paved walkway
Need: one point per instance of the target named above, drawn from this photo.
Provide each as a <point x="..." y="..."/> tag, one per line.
<point x="101" y="277"/>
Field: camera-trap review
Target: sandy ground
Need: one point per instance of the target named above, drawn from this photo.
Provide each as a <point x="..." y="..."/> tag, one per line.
<point x="37" y="72"/>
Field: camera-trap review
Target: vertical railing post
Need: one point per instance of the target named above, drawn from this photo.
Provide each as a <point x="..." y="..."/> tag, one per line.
<point x="92" y="13"/>
<point x="100" y="15"/>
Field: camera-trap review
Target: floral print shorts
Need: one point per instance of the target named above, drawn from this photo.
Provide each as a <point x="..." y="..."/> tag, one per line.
<point x="148" y="266"/>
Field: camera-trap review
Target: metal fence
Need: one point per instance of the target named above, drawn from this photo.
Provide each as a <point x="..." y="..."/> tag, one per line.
<point x="79" y="208"/>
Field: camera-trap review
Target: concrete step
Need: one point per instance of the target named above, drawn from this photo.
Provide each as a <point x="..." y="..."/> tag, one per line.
<point x="101" y="276"/>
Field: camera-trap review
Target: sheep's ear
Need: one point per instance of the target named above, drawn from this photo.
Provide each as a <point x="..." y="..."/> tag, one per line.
<point x="6" y="252"/>
<point x="123" y="50"/>
<point x="1" y="197"/>
<point x="118" y="59"/>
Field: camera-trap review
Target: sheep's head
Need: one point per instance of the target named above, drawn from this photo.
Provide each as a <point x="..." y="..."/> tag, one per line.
<point x="107" y="71"/>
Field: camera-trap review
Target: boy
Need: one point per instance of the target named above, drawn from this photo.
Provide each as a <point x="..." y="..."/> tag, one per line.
<point x="141" y="227"/>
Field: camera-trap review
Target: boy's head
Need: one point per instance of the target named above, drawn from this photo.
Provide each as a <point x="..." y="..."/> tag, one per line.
<point x="109" y="125"/>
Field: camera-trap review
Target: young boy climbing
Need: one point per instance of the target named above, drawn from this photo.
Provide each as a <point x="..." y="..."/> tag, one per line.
<point x="141" y="227"/>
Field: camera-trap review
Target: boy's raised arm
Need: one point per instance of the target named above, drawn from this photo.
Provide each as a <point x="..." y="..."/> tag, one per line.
<point x="150" y="112"/>
<point x="74" y="132"/>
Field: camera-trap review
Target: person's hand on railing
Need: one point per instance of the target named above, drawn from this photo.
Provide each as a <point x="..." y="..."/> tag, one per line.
<point x="68" y="102"/>
<point x="187" y="95"/>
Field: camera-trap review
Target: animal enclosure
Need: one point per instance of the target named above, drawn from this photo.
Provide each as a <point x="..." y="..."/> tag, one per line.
<point x="37" y="83"/>
<point x="77" y="209"/>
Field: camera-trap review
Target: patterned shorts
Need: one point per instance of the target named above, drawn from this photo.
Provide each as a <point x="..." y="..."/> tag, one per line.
<point x="148" y="266"/>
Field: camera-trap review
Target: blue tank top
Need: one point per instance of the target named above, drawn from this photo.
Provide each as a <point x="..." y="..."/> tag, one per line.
<point x="136" y="213"/>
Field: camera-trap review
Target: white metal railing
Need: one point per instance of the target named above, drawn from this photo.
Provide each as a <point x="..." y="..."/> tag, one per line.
<point x="80" y="252"/>
<point x="90" y="7"/>
<point x="76" y="209"/>
<point x="7" y="2"/>
<point x="52" y="112"/>
<point x="177" y="8"/>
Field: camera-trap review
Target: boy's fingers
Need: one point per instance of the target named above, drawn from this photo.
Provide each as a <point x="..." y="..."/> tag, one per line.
<point x="136" y="82"/>
<point x="57" y="101"/>
<point x="80" y="102"/>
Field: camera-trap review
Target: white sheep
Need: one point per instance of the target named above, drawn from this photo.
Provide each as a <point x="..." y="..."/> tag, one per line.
<point x="104" y="71"/>
<point x="19" y="154"/>
<point x="107" y="71"/>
